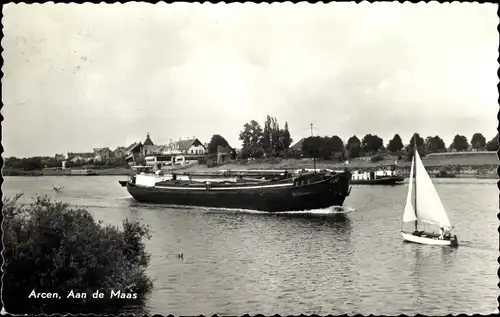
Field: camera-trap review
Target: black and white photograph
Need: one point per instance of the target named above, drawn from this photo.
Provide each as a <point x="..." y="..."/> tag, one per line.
<point x="273" y="158"/>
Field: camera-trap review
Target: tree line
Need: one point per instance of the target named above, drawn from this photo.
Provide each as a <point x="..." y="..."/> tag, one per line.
<point x="328" y="147"/>
<point x="273" y="141"/>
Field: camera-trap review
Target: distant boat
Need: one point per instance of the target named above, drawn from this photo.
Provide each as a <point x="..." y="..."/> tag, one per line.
<point x="427" y="209"/>
<point x="380" y="177"/>
<point x="82" y="172"/>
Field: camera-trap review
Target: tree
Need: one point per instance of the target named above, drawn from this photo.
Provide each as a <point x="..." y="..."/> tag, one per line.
<point x="29" y="163"/>
<point x="396" y="144"/>
<point x="371" y="143"/>
<point x="416" y="138"/>
<point x="337" y="144"/>
<point x="493" y="144"/>
<point x="215" y="141"/>
<point x="478" y="141"/>
<point x="49" y="247"/>
<point x="12" y="162"/>
<point x="266" y="135"/>
<point x="353" y="146"/>
<point x="275" y="139"/>
<point x="251" y="135"/>
<point x="286" y="138"/>
<point x="460" y="143"/>
<point x="275" y="136"/>
<point x="434" y="144"/>
<point x="320" y="147"/>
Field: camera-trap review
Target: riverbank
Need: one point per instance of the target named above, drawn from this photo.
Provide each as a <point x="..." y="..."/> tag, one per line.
<point x="476" y="168"/>
<point x="6" y="171"/>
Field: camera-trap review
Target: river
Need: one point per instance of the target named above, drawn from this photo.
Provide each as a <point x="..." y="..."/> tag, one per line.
<point x="314" y="263"/>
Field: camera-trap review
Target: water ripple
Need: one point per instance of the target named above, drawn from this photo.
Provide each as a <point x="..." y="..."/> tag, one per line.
<point x="314" y="262"/>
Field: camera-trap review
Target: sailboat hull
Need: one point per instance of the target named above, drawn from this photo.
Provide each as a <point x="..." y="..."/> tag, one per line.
<point x="427" y="240"/>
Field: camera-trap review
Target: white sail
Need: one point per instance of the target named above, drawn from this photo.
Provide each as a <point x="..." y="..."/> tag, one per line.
<point x="430" y="209"/>
<point x="409" y="214"/>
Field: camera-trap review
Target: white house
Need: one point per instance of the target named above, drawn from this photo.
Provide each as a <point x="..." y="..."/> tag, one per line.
<point x="179" y="152"/>
<point x="186" y="147"/>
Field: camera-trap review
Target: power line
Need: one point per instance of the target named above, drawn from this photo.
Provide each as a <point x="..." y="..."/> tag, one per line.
<point x="312" y="128"/>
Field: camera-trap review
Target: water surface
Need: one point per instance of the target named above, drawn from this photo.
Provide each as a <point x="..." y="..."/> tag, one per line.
<point x="236" y="263"/>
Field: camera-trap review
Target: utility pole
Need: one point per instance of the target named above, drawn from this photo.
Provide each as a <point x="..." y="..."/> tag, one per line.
<point x="314" y="157"/>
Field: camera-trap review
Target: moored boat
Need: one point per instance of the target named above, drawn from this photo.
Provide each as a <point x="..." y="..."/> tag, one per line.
<point x="272" y="193"/>
<point x="82" y="172"/>
<point x="381" y="177"/>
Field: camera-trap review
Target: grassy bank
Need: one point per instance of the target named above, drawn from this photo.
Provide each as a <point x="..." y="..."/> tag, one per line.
<point x="462" y="166"/>
<point x="482" y="168"/>
<point x="6" y="171"/>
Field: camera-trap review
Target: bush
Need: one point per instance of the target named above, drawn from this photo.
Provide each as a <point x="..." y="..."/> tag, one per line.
<point x="245" y="153"/>
<point x="52" y="248"/>
<point x="257" y="152"/>
<point x="377" y="158"/>
<point x="296" y="155"/>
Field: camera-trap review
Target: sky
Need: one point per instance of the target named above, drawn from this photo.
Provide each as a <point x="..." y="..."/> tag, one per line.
<point x="77" y="77"/>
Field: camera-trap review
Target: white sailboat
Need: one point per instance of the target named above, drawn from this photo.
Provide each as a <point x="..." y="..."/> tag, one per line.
<point x="427" y="209"/>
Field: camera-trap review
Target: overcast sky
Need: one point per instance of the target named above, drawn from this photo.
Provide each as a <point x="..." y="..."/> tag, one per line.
<point x="95" y="75"/>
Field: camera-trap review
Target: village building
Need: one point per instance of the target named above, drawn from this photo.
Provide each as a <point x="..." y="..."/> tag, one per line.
<point x="133" y="152"/>
<point x="79" y="158"/>
<point x="102" y="154"/>
<point x="175" y="152"/>
<point x="148" y="141"/>
<point x="120" y="152"/>
<point x="297" y="147"/>
<point x="59" y="157"/>
<point x="224" y="154"/>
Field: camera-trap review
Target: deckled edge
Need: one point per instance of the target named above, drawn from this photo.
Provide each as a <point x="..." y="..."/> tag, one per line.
<point x="498" y="154"/>
<point x="218" y="2"/>
<point x="244" y="2"/>
<point x="1" y="160"/>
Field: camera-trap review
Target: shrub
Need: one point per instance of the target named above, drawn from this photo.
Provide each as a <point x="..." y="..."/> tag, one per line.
<point x="257" y="152"/>
<point x="296" y="155"/>
<point x="245" y="153"/>
<point x="49" y="247"/>
<point x="212" y="164"/>
<point x="377" y="158"/>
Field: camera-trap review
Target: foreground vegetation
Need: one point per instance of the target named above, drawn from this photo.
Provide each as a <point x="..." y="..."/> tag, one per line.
<point x="51" y="248"/>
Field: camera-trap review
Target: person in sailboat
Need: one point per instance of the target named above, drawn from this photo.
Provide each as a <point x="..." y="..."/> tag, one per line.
<point x="441" y="233"/>
<point x="285" y="175"/>
<point x="447" y="234"/>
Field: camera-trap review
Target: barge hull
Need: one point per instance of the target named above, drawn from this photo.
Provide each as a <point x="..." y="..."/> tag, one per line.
<point x="323" y="194"/>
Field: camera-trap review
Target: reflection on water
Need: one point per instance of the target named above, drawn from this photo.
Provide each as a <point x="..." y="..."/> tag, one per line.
<point x="315" y="262"/>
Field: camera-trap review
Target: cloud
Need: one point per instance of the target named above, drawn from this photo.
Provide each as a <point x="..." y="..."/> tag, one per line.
<point x="74" y="81"/>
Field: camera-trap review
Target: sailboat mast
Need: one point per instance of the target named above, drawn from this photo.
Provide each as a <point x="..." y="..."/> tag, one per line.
<point x="415" y="160"/>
